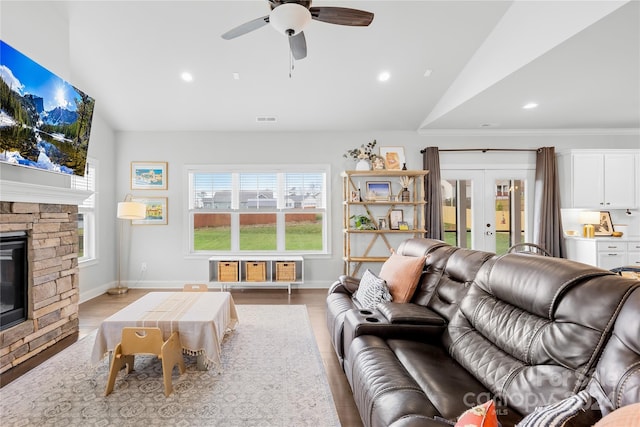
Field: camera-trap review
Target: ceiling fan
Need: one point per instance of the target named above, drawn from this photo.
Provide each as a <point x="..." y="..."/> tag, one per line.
<point x="289" y="17"/>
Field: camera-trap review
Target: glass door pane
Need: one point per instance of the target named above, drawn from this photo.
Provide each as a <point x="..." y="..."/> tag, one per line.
<point x="457" y="209"/>
<point x="506" y="214"/>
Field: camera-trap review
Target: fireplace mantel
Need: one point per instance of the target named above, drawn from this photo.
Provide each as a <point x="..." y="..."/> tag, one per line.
<point x="15" y="191"/>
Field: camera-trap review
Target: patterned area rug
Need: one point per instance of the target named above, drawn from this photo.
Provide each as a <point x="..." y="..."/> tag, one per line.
<point x="272" y="376"/>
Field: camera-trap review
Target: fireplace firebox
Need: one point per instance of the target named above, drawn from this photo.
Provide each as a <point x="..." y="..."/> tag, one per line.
<point x="14" y="268"/>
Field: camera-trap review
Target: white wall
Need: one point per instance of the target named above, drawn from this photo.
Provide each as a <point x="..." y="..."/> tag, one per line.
<point x="97" y="276"/>
<point x="162" y="248"/>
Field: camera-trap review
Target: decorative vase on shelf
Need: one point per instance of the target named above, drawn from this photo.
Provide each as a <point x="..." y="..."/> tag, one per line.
<point x="405" y="195"/>
<point x="363" y="165"/>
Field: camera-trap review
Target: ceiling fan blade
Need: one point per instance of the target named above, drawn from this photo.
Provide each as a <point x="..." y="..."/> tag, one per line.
<point x="342" y="16"/>
<point x="246" y="28"/>
<point x="298" y="45"/>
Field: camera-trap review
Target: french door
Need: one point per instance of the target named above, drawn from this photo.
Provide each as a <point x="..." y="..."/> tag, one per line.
<point x="487" y="209"/>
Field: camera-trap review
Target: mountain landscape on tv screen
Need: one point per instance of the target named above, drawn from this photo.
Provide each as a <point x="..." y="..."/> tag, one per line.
<point x="45" y="122"/>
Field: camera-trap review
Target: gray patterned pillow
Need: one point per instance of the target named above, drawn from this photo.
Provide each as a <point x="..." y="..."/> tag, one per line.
<point x="372" y="290"/>
<point x="557" y="414"/>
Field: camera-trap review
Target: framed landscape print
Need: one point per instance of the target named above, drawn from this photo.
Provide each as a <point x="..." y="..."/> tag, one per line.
<point x="156" y="211"/>
<point x="393" y="157"/>
<point x="148" y="175"/>
<point x="378" y="191"/>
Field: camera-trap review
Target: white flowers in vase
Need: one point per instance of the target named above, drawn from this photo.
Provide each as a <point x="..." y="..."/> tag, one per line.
<point x="405" y="181"/>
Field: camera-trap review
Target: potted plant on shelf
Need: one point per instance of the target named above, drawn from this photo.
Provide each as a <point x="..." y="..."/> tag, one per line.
<point x="364" y="155"/>
<point x="363" y="222"/>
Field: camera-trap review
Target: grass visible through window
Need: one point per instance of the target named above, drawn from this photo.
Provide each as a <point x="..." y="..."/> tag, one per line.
<point x="303" y="236"/>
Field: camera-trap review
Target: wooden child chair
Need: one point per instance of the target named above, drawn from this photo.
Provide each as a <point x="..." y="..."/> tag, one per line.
<point x="146" y="341"/>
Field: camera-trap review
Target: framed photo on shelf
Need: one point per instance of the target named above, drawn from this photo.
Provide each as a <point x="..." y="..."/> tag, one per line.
<point x="354" y="196"/>
<point x="402" y="225"/>
<point x="393" y="157"/>
<point x="605" y="228"/>
<point x="378" y="191"/>
<point x="149" y="175"/>
<point x="382" y="223"/>
<point x="396" y="216"/>
<point x="156" y="211"/>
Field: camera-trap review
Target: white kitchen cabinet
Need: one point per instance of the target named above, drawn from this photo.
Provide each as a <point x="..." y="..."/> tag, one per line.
<point x="605" y="252"/>
<point x="600" y="179"/>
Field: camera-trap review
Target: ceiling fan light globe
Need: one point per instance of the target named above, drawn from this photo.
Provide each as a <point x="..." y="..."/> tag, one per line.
<point x="289" y="18"/>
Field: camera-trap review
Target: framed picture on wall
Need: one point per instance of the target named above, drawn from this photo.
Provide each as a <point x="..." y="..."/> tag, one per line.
<point x="393" y="157"/>
<point x="156" y="211"/>
<point x="149" y="175"/>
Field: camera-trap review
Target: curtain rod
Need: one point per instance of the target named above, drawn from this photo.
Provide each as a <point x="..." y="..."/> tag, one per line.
<point x="484" y="150"/>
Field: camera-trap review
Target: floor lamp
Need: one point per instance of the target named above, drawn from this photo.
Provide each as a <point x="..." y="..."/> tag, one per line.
<point x="127" y="210"/>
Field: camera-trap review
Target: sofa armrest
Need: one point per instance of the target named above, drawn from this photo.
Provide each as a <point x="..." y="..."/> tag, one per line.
<point x="410" y="314"/>
<point x="345" y="284"/>
<point x="371" y="322"/>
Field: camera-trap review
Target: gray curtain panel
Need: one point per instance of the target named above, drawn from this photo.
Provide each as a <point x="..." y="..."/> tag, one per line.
<point x="547" y="227"/>
<point x="433" y="194"/>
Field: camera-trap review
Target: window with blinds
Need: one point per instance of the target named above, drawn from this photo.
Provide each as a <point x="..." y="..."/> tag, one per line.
<point x="270" y="210"/>
<point x="86" y="212"/>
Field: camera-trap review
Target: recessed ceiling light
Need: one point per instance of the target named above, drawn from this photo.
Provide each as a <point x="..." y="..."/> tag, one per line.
<point x="236" y="76"/>
<point x="428" y="72"/>
<point x="187" y="77"/>
<point x="530" y="105"/>
<point x="384" y="76"/>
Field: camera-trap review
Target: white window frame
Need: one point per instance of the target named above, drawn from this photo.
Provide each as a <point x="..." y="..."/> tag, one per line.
<point x="89" y="211"/>
<point x="235" y="212"/>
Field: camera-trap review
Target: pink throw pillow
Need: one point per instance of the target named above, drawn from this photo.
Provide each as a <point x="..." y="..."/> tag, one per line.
<point x="402" y="274"/>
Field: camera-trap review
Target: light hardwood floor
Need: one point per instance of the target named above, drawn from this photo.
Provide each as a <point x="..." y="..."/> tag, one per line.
<point x="94" y="311"/>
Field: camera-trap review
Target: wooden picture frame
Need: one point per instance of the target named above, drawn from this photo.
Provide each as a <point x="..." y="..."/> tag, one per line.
<point x="149" y="175"/>
<point x="396" y="216"/>
<point x="393" y="157"/>
<point x="378" y="191"/>
<point x="157" y="211"/>
<point x="605" y="228"/>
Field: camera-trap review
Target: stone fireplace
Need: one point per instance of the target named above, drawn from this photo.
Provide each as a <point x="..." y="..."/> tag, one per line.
<point x="52" y="278"/>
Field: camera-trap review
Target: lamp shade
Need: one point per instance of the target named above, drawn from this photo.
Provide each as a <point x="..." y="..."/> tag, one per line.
<point x="289" y="18"/>
<point x="132" y="210"/>
<point x="589" y="217"/>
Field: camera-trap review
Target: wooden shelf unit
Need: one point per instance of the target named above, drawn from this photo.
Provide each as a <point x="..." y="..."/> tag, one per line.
<point x="379" y="239"/>
<point x="257" y="271"/>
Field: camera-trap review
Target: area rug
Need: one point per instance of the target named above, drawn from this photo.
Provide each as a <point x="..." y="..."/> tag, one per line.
<point x="272" y="375"/>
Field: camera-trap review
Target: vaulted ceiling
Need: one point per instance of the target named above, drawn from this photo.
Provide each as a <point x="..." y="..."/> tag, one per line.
<point x="463" y="65"/>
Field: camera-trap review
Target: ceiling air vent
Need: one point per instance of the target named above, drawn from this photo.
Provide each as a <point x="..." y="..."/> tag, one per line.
<point x="266" y="119"/>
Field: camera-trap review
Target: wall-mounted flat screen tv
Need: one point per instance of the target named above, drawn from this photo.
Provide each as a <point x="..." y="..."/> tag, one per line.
<point x="45" y="122"/>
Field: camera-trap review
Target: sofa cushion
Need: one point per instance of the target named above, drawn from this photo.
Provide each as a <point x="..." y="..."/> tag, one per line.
<point x="523" y="331"/>
<point x="372" y="290"/>
<point x="483" y="415"/>
<point x="402" y="274"/>
<point x="559" y="413"/>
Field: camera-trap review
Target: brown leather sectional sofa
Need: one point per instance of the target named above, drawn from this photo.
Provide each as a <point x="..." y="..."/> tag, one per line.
<point x="524" y="330"/>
